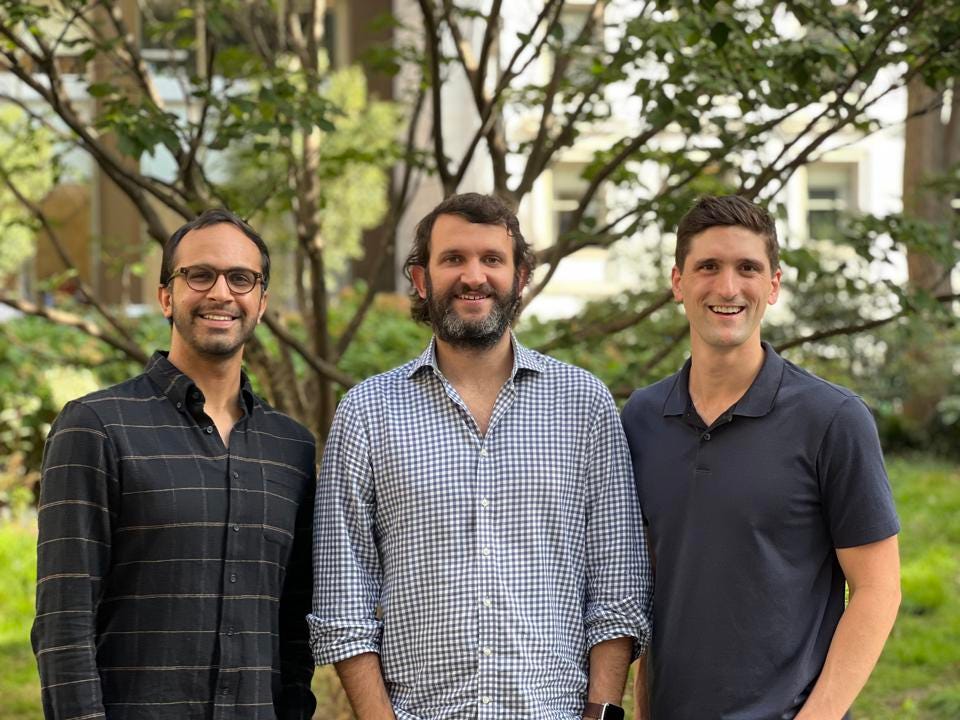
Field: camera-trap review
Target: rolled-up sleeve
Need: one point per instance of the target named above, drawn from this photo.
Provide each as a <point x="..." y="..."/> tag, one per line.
<point x="619" y="578"/>
<point x="346" y="562"/>
<point x="79" y="493"/>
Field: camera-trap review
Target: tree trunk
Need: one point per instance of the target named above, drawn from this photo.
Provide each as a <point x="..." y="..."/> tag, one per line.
<point x="929" y="145"/>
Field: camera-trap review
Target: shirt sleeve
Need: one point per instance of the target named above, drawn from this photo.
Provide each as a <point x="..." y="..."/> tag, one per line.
<point x="296" y="660"/>
<point x="619" y="578"/>
<point x="79" y="494"/>
<point x="346" y="562"/>
<point x="857" y="499"/>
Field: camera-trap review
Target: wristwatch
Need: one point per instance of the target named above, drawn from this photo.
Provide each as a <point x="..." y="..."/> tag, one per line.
<point x="606" y="711"/>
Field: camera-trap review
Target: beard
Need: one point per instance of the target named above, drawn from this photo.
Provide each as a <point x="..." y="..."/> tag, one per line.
<point x="211" y="342"/>
<point x="479" y="334"/>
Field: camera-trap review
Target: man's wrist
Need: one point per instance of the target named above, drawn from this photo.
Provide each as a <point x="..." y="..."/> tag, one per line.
<point x="602" y="711"/>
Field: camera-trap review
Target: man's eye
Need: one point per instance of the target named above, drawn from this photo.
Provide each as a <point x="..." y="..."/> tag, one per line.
<point x="240" y="279"/>
<point x="200" y="275"/>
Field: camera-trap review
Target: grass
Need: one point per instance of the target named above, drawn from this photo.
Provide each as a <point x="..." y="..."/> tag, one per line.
<point x="918" y="677"/>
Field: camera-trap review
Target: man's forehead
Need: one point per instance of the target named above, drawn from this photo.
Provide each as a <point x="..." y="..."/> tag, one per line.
<point x="455" y="232"/>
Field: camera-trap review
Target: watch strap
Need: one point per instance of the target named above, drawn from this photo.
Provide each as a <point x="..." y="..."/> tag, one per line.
<point x="593" y="710"/>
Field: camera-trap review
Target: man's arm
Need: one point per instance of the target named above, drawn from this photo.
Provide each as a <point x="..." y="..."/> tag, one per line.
<point x="873" y="574"/>
<point x="609" y="664"/>
<point x="296" y="659"/>
<point x="619" y="579"/>
<point x="344" y="628"/>
<point x="79" y="490"/>
<point x="641" y="696"/>
<point x="362" y="680"/>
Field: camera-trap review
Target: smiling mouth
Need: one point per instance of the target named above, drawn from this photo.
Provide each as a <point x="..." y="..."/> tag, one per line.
<point x="473" y="297"/>
<point x="726" y="309"/>
<point x="217" y="317"/>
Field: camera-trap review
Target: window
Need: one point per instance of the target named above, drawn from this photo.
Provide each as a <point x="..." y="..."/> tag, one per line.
<point x="831" y="195"/>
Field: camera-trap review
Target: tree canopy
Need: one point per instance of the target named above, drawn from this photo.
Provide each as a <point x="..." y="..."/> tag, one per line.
<point x="688" y="97"/>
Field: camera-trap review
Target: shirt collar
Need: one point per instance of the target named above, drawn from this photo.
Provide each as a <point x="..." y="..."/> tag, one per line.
<point x="523" y="359"/>
<point x="756" y="402"/>
<point x="183" y="391"/>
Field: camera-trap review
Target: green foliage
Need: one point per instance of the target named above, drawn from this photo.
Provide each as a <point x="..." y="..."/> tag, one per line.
<point x="355" y="155"/>
<point x="917" y="674"/>
<point x="26" y="151"/>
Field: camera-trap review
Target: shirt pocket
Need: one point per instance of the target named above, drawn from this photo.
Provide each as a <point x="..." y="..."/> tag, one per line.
<point x="282" y="493"/>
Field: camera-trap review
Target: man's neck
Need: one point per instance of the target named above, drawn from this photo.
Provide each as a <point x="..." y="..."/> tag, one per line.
<point x="217" y="378"/>
<point x="719" y="377"/>
<point x="489" y="367"/>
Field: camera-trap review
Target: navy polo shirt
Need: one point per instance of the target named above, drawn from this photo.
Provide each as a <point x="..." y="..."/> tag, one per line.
<point x="743" y="518"/>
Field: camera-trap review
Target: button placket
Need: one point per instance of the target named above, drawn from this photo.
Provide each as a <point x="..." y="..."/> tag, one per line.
<point x="486" y="539"/>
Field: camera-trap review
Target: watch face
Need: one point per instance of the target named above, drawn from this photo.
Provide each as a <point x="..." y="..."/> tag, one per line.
<point x="612" y="712"/>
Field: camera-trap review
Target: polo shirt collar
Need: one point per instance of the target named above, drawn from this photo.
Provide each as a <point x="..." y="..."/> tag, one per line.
<point x="756" y="402"/>
<point x="523" y="359"/>
<point x="180" y="389"/>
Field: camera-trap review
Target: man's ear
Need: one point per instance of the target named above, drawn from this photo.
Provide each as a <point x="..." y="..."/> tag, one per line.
<point x="418" y="275"/>
<point x="264" y="296"/>
<point x="165" y="298"/>
<point x="523" y="279"/>
<point x="675" y="284"/>
<point x="775" y="287"/>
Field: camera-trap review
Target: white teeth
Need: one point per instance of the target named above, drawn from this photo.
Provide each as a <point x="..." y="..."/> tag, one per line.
<point x="217" y="317"/>
<point x="726" y="309"/>
<point x="471" y="297"/>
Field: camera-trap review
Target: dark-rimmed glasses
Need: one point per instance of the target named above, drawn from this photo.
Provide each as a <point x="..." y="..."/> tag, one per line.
<point x="201" y="278"/>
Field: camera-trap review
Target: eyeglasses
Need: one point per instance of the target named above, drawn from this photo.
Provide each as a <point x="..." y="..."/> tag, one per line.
<point x="203" y="277"/>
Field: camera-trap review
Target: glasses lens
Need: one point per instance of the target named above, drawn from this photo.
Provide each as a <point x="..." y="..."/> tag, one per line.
<point x="241" y="281"/>
<point x="200" y="277"/>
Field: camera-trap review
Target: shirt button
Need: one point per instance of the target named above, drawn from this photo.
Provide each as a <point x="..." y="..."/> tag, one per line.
<point x="485" y="699"/>
<point x="235" y="474"/>
<point x="233" y="577"/>
<point x="488" y="651"/>
<point x="487" y="602"/>
<point x="179" y="405"/>
<point x="706" y="436"/>
<point x="236" y="528"/>
<point x="483" y="452"/>
<point x="485" y="551"/>
<point x="229" y="631"/>
<point x="484" y="502"/>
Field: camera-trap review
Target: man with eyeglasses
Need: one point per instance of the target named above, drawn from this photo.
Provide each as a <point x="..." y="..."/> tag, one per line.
<point x="174" y="571"/>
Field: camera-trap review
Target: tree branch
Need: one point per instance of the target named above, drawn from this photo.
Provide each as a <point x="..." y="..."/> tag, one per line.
<point x="75" y="321"/>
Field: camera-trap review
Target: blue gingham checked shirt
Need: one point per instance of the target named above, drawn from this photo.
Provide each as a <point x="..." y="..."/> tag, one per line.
<point x="496" y="561"/>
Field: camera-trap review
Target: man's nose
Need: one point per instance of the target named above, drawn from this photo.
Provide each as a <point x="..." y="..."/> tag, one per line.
<point x="473" y="273"/>
<point x="220" y="290"/>
<point x="727" y="283"/>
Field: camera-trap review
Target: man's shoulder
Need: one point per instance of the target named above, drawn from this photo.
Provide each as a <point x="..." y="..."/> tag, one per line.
<point x="373" y="391"/>
<point x="137" y="389"/>
<point x="554" y="370"/>
<point x="282" y="422"/>
<point x="808" y="391"/>
<point x="651" y="399"/>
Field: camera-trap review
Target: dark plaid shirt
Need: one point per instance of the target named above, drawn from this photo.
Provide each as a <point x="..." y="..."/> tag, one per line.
<point x="174" y="574"/>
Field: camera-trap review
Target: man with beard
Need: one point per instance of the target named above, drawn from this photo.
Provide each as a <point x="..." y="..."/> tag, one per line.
<point x="477" y="527"/>
<point x="175" y="516"/>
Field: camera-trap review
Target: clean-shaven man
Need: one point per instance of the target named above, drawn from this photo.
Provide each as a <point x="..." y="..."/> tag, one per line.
<point x="764" y="493"/>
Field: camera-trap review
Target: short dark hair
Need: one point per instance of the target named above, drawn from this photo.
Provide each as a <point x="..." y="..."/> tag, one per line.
<point x="474" y="208"/>
<point x="726" y="211"/>
<point x="207" y="218"/>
